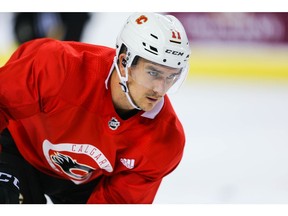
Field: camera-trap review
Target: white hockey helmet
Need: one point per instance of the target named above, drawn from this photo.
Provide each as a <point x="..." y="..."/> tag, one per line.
<point x="158" y="38"/>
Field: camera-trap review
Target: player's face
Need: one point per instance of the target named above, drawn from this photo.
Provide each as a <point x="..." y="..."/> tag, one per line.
<point x="148" y="82"/>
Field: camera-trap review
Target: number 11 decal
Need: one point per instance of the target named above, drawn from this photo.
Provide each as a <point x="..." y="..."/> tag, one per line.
<point x="176" y="35"/>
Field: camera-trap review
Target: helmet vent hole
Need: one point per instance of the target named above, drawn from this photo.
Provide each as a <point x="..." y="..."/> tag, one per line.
<point x="154" y="49"/>
<point x="177" y="42"/>
<point x="154" y="36"/>
<point x="164" y="60"/>
<point x="150" y="49"/>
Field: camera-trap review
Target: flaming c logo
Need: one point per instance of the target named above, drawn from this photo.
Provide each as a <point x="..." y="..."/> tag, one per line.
<point x="71" y="167"/>
<point x="142" y="19"/>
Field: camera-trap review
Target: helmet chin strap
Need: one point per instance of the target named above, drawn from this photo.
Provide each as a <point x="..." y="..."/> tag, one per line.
<point x="123" y="83"/>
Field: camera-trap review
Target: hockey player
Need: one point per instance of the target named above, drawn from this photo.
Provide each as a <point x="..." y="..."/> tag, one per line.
<point x="83" y="123"/>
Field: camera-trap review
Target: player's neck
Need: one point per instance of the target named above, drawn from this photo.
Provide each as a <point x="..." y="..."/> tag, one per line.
<point x="124" y="114"/>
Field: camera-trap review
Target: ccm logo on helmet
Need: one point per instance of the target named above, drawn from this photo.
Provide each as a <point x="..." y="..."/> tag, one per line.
<point x="173" y="52"/>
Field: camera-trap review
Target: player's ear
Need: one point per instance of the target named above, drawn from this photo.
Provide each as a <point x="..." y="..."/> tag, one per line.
<point x="122" y="63"/>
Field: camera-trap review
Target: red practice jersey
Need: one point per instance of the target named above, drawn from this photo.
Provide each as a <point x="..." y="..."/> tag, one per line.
<point x="56" y="102"/>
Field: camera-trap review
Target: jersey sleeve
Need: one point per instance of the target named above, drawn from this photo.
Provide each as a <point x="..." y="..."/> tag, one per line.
<point x="34" y="72"/>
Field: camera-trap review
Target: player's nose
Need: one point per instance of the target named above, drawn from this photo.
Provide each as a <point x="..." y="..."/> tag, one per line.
<point x="160" y="86"/>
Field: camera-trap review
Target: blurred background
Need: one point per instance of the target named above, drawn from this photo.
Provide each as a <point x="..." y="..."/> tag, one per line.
<point x="233" y="105"/>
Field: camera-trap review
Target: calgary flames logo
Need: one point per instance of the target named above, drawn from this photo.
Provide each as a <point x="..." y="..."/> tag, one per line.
<point x="76" y="161"/>
<point x="142" y="19"/>
<point x="71" y="167"/>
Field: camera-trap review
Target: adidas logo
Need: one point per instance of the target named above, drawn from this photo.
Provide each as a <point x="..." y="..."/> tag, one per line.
<point x="129" y="163"/>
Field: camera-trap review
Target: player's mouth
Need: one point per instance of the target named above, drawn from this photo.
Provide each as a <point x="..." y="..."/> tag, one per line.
<point x="152" y="99"/>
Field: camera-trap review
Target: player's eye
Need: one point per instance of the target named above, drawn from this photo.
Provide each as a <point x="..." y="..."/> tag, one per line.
<point x="153" y="73"/>
<point x="174" y="76"/>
